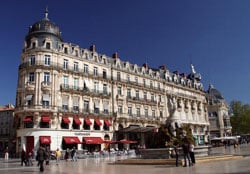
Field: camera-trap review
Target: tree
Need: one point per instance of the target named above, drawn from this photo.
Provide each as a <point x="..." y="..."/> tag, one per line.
<point x="241" y="117"/>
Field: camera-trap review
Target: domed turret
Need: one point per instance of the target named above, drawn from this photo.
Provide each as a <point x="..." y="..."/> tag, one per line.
<point x="43" y="29"/>
<point x="214" y="95"/>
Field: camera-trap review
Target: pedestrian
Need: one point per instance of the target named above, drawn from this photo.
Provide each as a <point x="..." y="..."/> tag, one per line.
<point x="41" y="156"/>
<point x="48" y="155"/>
<point x="58" y="155"/>
<point x="185" y="148"/>
<point x="191" y="153"/>
<point x="30" y="163"/>
<point x="66" y="156"/>
<point x="73" y="154"/>
<point x="23" y="158"/>
<point x="176" y="150"/>
<point x="6" y="154"/>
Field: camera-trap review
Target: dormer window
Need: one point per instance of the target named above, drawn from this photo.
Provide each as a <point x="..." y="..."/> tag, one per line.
<point x="33" y="45"/>
<point x="47" y="45"/>
<point x="66" y="50"/>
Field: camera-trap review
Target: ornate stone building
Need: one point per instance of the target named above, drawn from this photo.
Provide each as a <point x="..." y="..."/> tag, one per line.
<point x="68" y="95"/>
<point x="219" y="118"/>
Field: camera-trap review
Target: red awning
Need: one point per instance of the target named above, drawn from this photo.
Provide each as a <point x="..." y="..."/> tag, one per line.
<point x="45" y="140"/>
<point x="66" y="120"/>
<point x="87" y="121"/>
<point x="127" y="141"/>
<point x="27" y="119"/>
<point x="98" y="122"/>
<point x="71" y="140"/>
<point x="45" y="119"/>
<point x="92" y="140"/>
<point x="107" y="122"/>
<point x="110" y="142"/>
<point x="77" y="121"/>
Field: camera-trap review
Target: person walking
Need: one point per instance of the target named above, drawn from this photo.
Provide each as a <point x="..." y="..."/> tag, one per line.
<point x="185" y="148"/>
<point x="66" y="156"/>
<point x="29" y="159"/>
<point x="23" y="158"/>
<point x="73" y="154"/>
<point x="176" y="150"/>
<point x="191" y="153"/>
<point x="6" y="154"/>
<point x="41" y="156"/>
<point x="58" y="156"/>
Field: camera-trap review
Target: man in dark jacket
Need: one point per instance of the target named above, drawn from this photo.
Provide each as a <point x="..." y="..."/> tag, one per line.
<point x="185" y="148"/>
<point x="41" y="156"/>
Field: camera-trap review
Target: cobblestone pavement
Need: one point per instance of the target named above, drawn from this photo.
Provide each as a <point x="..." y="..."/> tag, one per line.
<point x="105" y="166"/>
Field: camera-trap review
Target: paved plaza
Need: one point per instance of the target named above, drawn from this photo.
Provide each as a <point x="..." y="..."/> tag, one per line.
<point x="106" y="166"/>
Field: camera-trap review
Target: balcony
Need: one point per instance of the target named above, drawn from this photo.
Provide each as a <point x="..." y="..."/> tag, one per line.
<point x="30" y="86"/>
<point x="46" y="86"/>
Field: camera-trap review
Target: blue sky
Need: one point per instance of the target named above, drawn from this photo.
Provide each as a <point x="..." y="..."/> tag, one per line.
<point x="213" y="35"/>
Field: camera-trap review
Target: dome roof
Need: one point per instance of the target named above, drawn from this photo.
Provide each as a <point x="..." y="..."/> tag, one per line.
<point x="214" y="94"/>
<point x="44" y="27"/>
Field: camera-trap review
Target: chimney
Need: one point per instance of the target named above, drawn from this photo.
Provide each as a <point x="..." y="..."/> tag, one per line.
<point x="92" y="48"/>
<point x="115" y="55"/>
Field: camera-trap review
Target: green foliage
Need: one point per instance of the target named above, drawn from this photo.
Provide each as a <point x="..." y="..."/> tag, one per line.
<point x="241" y="117"/>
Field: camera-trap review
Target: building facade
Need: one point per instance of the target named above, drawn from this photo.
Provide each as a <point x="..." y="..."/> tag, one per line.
<point x="219" y="117"/>
<point x="70" y="96"/>
<point x="7" y="129"/>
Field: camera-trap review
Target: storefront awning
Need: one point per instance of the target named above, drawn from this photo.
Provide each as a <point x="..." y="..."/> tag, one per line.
<point x="87" y="121"/>
<point x="45" y="140"/>
<point x="127" y="141"/>
<point x="71" y="140"/>
<point x="77" y="121"/>
<point x="45" y="119"/>
<point x="27" y="119"/>
<point x="98" y="122"/>
<point x="66" y="120"/>
<point x="92" y="140"/>
<point x="107" y="122"/>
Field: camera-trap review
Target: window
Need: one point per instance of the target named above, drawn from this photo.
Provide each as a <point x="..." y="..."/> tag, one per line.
<point x="104" y="74"/>
<point x="119" y="90"/>
<point x="105" y="89"/>
<point x="66" y="50"/>
<point x="159" y="98"/>
<point x="106" y="107"/>
<point x="129" y="93"/>
<point x="145" y="95"/>
<point x="151" y="84"/>
<point x="65" y="100"/>
<point x="76" y="84"/>
<point x="146" y="113"/>
<point x="86" y="106"/>
<point x="153" y="113"/>
<point x="136" y="80"/>
<point x="95" y="71"/>
<point x="96" y="87"/>
<point x="65" y="82"/>
<point x="130" y="111"/>
<point x="137" y="95"/>
<point x="159" y="86"/>
<point x="118" y="76"/>
<point x="32" y="60"/>
<point x="46" y="78"/>
<point x="65" y="64"/>
<point x="161" y="114"/>
<point x="128" y="78"/>
<point x="152" y="97"/>
<point x="85" y="69"/>
<point x="138" y="112"/>
<point x="76" y="66"/>
<point x="47" y="60"/>
<point x="31" y="77"/>
<point x="144" y="82"/>
<point x="76" y="104"/>
<point x="120" y="109"/>
<point x="45" y="104"/>
<point x="96" y="107"/>
<point x="47" y="45"/>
